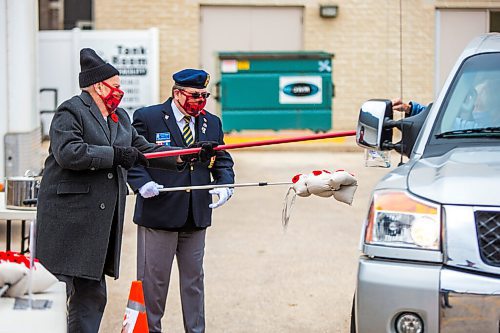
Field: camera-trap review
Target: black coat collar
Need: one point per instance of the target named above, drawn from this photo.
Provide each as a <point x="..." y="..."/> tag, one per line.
<point x="94" y="110"/>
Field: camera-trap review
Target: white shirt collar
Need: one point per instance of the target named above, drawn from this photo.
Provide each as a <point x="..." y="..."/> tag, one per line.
<point x="179" y="116"/>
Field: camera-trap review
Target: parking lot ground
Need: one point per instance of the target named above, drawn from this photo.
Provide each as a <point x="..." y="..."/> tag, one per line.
<point x="258" y="276"/>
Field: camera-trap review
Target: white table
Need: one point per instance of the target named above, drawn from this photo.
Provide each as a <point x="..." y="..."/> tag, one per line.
<point x="30" y="320"/>
<point x="40" y="321"/>
<point x="10" y="215"/>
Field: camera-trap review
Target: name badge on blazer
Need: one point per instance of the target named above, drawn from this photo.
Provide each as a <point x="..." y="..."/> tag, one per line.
<point x="163" y="139"/>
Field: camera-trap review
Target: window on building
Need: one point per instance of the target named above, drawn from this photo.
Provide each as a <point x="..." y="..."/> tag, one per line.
<point x="65" y="14"/>
<point x="78" y="14"/>
<point x="50" y="14"/>
<point x="494" y="21"/>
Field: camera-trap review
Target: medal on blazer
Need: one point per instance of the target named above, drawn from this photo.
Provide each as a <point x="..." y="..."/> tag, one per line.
<point x="212" y="161"/>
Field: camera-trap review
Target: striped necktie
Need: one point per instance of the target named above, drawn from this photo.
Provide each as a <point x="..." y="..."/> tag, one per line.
<point x="186" y="131"/>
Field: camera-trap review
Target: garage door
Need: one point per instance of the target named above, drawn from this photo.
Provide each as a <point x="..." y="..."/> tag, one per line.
<point x="252" y="28"/>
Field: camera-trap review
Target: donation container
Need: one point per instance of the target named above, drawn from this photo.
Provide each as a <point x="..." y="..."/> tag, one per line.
<point x="275" y="90"/>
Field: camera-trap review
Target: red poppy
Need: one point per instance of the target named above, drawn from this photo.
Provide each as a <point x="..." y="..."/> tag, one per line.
<point x="296" y="178"/>
<point x="114" y="117"/>
<point x="15" y="257"/>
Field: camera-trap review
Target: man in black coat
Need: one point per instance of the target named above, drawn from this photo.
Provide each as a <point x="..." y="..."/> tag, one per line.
<point x="81" y="202"/>
<point x="174" y="223"/>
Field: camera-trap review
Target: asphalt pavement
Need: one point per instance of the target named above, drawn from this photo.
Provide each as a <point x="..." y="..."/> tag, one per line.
<point x="260" y="277"/>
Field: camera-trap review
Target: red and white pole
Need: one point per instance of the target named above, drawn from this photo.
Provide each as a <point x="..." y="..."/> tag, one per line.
<point x="253" y="144"/>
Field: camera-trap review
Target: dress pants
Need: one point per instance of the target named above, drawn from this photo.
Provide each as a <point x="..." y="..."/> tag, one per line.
<point x="155" y="254"/>
<point x="86" y="300"/>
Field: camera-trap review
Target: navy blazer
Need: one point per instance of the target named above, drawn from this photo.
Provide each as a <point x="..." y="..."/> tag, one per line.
<point x="169" y="210"/>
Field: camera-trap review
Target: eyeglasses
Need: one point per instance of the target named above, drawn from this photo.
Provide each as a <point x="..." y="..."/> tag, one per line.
<point x="195" y="95"/>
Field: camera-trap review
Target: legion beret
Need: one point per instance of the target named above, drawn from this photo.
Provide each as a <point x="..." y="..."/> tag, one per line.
<point x="193" y="78"/>
<point x="93" y="68"/>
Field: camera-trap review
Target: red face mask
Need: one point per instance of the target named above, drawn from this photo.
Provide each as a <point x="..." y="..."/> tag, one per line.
<point x="193" y="106"/>
<point x="113" y="98"/>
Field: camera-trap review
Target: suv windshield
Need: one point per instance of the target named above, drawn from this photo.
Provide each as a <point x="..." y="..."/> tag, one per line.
<point x="472" y="108"/>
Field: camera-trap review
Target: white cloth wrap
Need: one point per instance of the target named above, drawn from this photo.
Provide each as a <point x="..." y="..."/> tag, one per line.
<point x="17" y="277"/>
<point x="340" y="184"/>
<point x="344" y="185"/>
<point x="319" y="184"/>
<point x="300" y="187"/>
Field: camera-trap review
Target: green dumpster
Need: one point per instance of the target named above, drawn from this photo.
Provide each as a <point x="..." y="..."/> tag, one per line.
<point x="276" y="90"/>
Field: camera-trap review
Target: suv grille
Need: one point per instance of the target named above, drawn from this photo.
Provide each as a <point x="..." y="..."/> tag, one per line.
<point x="488" y="231"/>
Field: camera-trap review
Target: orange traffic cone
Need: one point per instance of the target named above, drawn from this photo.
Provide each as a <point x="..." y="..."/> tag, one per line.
<point x="135" y="320"/>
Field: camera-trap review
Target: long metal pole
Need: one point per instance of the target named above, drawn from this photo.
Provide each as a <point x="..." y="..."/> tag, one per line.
<point x="208" y="187"/>
<point x="252" y="144"/>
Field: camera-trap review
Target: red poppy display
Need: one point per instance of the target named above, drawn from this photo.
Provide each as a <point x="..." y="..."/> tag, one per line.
<point x="114" y="117"/>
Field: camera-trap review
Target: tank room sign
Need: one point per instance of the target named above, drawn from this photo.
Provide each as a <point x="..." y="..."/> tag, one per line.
<point x="135" y="53"/>
<point x="136" y="63"/>
<point x="131" y="61"/>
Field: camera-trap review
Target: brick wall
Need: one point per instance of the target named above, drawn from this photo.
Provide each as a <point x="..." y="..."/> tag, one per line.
<point x="365" y="38"/>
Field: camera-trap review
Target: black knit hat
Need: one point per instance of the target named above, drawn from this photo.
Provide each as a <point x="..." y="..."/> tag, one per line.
<point x="93" y="68"/>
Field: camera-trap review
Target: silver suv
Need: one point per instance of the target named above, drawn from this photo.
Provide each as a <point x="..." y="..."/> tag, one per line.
<point x="431" y="241"/>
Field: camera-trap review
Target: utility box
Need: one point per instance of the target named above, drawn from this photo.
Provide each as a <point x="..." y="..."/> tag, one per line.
<point x="275" y="90"/>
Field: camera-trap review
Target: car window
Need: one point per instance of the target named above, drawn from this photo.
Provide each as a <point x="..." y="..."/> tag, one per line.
<point x="474" y="98"/>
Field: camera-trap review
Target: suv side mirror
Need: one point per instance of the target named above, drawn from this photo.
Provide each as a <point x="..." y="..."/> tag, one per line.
<point x="375" y="126"/>
<point x="410" y="128"/>
<point x="372" y="132"/>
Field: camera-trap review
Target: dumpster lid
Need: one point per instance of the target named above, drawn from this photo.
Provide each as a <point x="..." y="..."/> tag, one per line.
<point x="276" y="55"/>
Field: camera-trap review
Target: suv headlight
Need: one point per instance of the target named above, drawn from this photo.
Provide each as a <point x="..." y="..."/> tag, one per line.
<point x="399" y="219"/>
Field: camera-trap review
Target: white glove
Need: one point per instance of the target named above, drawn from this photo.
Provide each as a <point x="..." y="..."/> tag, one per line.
<point x="150" y="189"/>
<point x="224" y="194"/>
